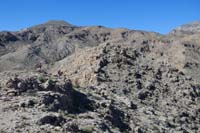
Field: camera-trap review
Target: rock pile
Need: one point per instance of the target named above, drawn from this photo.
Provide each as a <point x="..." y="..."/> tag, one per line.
<point x="54" y="96"/>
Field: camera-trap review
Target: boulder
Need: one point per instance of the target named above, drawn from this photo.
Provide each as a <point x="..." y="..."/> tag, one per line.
<point x="52" y="120"/>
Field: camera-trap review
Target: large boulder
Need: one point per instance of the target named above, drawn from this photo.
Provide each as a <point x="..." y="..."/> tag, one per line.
<point x="52" y="120"/>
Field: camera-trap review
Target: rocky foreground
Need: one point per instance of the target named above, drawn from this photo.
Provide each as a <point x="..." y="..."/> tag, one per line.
<point x="57" y="77"/>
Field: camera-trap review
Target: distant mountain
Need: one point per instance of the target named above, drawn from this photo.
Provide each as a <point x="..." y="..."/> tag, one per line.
<point x="55" y="40"/>
<point x="190" y="28"/>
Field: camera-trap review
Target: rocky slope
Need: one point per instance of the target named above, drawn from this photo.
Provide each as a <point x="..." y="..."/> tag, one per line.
<point x="57" y="77"/>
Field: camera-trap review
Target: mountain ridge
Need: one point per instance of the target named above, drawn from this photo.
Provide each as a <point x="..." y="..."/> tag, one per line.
<point x="57" y="77"/>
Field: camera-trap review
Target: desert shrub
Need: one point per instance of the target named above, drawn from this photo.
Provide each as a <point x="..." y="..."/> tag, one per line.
<point x="88" y="129"/>
<point x="42" y="78"/>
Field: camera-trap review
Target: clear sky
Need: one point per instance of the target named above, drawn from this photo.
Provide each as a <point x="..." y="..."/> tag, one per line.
<point x="151" y="15"/>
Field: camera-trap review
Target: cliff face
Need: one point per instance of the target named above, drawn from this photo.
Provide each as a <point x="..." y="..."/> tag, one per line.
<point x="128" y="80"/>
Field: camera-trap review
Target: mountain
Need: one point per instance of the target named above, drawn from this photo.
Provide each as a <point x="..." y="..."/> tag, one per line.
<point x="58" y="77"/>
<point x="190" y="28"/>
<point x="54" y="41"/>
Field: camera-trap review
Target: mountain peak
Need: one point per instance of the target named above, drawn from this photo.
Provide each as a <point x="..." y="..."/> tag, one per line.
<point x="54" y="23"/>
<point x="192" y="27"/>
<point x="58" y="22"/>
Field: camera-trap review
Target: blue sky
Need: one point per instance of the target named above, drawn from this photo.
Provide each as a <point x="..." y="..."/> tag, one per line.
<point x="151" y="15"/>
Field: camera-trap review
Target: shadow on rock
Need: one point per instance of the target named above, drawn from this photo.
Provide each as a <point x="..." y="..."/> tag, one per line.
<point x="117" y="118"/>
<point x="72" y="101"/>
<point x="54" y="95"/>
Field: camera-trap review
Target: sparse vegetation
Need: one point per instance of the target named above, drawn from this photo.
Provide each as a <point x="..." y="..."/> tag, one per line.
<point x="115" y="80"/>
<point x="42" y="78"/>
<point x="87" y="129"/>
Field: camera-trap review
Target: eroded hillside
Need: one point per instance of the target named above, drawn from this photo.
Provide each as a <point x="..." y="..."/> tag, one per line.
<point x="98" y="79"/>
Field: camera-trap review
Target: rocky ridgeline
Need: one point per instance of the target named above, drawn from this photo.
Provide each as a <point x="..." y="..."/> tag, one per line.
<point x="97" y="79"/>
